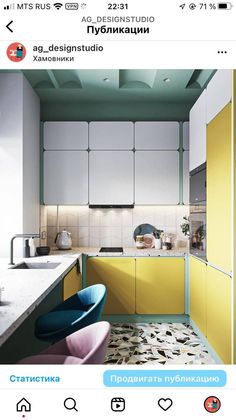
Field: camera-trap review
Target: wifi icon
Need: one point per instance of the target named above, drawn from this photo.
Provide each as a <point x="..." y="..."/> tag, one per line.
<point x="58" y="5"/>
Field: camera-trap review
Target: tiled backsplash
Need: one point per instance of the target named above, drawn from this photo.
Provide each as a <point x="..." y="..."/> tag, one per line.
<point x="43" y="224"/>
<point x="111" y="227"/>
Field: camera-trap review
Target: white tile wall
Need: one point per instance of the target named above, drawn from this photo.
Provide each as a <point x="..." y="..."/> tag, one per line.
<point x="113" y="227"/>
<point x="43" y="225"/>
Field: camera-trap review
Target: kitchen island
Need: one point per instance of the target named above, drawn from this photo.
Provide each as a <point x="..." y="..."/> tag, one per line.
<point x="26" y="295"/>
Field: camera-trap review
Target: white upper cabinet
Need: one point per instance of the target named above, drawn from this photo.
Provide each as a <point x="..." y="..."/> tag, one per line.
<point x="197" y="132"/>
<point x="111" y="177"/>
<point x="219" y="93"/>
<point x="157" y="135"/>
<point x="66" y="135"/>
<point x="186" y="135"/>
<point x="157" y="177"/>
<point x="186" y="177"/>
<point x="65" y="177"/>
<point x="111" y="135"/>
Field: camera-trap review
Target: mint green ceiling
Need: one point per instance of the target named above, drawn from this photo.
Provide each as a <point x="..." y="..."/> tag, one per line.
<point x="117" y="94"/>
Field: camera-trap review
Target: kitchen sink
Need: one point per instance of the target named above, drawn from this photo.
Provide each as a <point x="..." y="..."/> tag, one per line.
<point x="36" y="266"/>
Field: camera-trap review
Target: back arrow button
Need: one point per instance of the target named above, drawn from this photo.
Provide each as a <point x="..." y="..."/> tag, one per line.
<point x="8" y="26"/>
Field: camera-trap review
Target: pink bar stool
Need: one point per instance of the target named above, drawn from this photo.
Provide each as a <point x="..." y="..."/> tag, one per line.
<point x="86" y="346"/>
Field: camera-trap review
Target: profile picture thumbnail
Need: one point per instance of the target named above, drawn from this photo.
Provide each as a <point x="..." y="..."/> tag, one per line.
<point x="16" y="52"/>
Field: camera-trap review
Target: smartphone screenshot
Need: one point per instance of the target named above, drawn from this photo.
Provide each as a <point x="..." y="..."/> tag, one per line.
<point x="117" y="209"/>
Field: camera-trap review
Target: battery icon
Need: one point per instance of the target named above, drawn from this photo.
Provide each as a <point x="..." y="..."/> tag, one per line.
<point x="225" y="6"/>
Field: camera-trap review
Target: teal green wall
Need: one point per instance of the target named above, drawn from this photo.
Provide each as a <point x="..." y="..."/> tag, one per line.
<point x="108" y="111"/>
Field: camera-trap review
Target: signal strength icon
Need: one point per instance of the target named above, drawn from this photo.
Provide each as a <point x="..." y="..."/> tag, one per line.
<point x="9" y="7"/>
<point x="58" y="5"/>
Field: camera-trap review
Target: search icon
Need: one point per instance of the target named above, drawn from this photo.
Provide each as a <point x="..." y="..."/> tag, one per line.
<point x="70" y="404"/>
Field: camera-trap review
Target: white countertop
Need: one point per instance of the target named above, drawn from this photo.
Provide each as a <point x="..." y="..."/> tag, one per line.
<point x="127" y="252"/>
<point x="24" y="290"/>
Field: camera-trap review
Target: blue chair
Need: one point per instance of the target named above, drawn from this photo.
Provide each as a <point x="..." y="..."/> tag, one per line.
<point x="82" y="309"/>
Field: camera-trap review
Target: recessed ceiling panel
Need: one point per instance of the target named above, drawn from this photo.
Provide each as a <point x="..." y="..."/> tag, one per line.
<point x="39" y="79"/>
<point x="199" y="79"/>
<point x="67" y="79"/>
<point x="136" y="79"/>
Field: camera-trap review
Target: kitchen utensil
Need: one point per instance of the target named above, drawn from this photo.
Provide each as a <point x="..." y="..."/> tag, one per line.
<point x="143" y="230"/>
<point x="63" y="240"/>
<point x="43" y="250"/>
<point x="158" y="243"/>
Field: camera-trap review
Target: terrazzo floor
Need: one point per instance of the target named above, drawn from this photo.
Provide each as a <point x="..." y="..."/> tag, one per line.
<point x="156" y="343"/>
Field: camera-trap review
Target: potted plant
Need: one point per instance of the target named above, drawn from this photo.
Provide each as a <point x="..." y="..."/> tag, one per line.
<point x="185" y="226"/>
<point x="201" y="235"/>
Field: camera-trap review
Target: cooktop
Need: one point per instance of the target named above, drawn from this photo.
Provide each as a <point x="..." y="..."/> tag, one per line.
<point x="111" y="249"/>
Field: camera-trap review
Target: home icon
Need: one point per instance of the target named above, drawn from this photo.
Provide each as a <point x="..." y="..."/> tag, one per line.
<point x="23" y="405"/>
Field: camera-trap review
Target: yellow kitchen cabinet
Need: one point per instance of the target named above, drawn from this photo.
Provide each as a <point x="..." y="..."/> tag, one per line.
<point x="72" y="282"/>
<point x="218" y="314"/>
<point x="118" y="275"/>
<point x="219" y="190"/>
<point x="198" y="293"/>
<point x="160" y="285"/>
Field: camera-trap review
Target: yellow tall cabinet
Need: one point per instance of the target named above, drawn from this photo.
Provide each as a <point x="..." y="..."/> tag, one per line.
<point x="160" y="286"/>
<point x="234" y="260"/>
<point x="210" y="306"/>
<point x="118" y="275"/>
<point x="198" y="272"/>
<point x="218" y="312"/>
<point x="72" y="282"/>
<point x="219" y="233"/>
<point x="219" y="190"/>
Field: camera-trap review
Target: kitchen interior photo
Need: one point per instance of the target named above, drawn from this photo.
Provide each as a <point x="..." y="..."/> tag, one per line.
<point x="117" y="211"/>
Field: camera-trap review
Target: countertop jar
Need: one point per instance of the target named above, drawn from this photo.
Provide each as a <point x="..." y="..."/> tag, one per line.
<point x="139" y="241"/>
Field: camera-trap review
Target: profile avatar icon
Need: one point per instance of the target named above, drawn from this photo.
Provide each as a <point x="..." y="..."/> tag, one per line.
<point x="212" y="404"/>
<point x="16" y="52"/>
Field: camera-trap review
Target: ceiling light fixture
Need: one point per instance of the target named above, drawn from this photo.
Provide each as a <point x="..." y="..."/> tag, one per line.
<point x="106" y="80"/>
<point x="166" y="80"/>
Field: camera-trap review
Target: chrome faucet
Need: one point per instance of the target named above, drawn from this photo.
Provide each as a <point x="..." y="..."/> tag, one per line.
<point x="20" y="235"/>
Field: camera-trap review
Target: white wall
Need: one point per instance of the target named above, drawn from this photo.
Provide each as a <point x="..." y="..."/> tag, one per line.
<point x="31" y="159"/>
<point x="17" y="107"/>
<point x="11" y="129"/>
